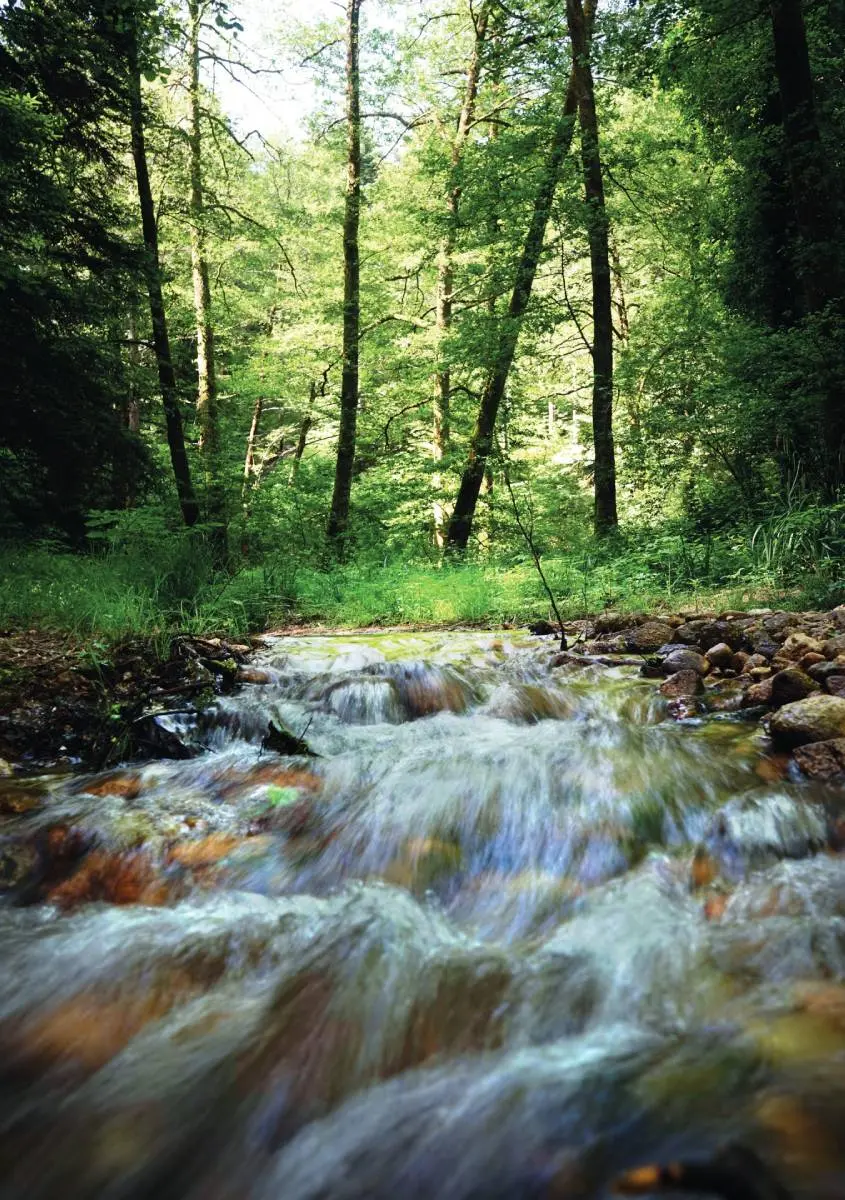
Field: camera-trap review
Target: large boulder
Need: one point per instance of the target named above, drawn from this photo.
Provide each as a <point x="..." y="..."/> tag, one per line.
<point x="648" y="637"/>
<point x="688" y="632"/>
<point x="822" y="760"/>
<point x="685" y="660"/>
<point x="817" y="719"/>
<point x="792" y="684"/>
<point x="761" y="643"/>
<point x="712" y="633"/>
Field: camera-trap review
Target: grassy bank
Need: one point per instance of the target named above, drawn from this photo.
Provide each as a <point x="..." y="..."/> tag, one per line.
<point x="150" y="590"/>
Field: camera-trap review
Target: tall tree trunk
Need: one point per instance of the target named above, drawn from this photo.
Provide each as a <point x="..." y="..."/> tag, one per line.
<point x="249" y="458"/>
<point x="818" y="258"/>
<point x="207" y="416"/>
<point x="598" y="231"/>
<point x="339" y="513"/>
<point x="446" y="269"/>
<point x="460" y="525"/>
<point x="152" y="274"/>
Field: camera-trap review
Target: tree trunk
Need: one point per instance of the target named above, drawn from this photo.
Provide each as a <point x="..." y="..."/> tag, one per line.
<point x="460" y="526"/>
<point x="304" y="429"/>
<point x="446" y="272"/>
<point x="598" y="231"/>
<point x="207" y="417"/>
<point x="152" y="274"/>
<point x="810" y="183"/>
<point x="339" y="514"/>
<point x="249" y="459"/>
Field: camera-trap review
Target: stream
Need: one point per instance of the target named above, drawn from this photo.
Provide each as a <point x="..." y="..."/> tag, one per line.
<point x="509" y="931"/>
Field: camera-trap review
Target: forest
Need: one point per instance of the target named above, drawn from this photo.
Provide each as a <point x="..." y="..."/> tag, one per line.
<point x="530" y="306"/>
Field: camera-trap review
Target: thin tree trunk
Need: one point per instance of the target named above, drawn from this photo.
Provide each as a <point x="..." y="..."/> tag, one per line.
<point x="446" y="269"/>
<point x="249" y="459"/>
<point x="152" y="274"/>
<point x="207" y="416"/>
<point x="339" y="513"/>
<point x="598" y="231"/>
<point x="810" y="182"/>
<point x="460" y="526"/>
<point x="304" y="429"/>
<point x="619" y="290"/>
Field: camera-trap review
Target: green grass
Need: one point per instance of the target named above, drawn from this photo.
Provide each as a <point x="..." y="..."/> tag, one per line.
<point x="153" y="590"/>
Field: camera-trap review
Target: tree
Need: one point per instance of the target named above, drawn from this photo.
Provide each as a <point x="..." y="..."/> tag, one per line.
<point x="158" y="317"/>
<point x="507" y="337"/>
<point x="598" y="230"/>
<point x="209" y="430"/>
<point x="445" y="262"/>
<point x="339" y="513"/>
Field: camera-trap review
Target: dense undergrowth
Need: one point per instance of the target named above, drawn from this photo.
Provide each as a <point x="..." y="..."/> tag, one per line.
<point x="156" y="585"/>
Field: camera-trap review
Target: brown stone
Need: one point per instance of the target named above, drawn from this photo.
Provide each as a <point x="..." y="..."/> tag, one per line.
<point x="822" y="760"/>
<point x="792" y="684"/>
<point x="810" y="660"/>
<point x="758" y="693"/>
<point x="759" y="673"/>
<point x="681" y="685"/>
<point x="819" y="718"/>
<point x="683" y="659"/>
<point x="834" y="646"/>
<point x="648" y="637"/>
<point x="835" y="685"/>
<point x="756" y="660"/>
<point x="799" y="644"/>
<point x="721" y="655"/>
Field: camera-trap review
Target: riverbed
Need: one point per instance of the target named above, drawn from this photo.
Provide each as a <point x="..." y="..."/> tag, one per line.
<point x="508" y="929"/>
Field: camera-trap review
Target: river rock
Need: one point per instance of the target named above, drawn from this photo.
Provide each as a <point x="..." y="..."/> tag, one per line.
<point x="721" y="655"/>
<point x="822" y="760"/>
<point x="799" y="644"/>
<point x="779" y="622"/>
<point x="758" y="693"/>
<point x="761" y="643"/>
<point x="685" y="660"/>
<point x="817" y="719"/>
<point x="714" y="633"/>
<point x="835" y="685"/>
<point x="792" y="684"/>
<point x="648" y="637"/>
<point x="681" y="685"/>
<point x="688" y="632"/>
<point x="823" y="670"/>
<point x="614" y="622"/>
<point x="834" y="646"/>
<point x="837" y="615"/>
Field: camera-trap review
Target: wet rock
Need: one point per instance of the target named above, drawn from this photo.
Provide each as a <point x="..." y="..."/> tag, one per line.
<point x="758" y="693"/>
<point x="721" y="655"/>
<point x="19" y="864"/>
<point x="837" y="615"/>
<point x="715" y="633"/>
<point x="527" y="703"/>
<point x="779" y="622"/>
<point x="792" y="684"/>
<point x="835" y="685"/>
<point x="165" y="735"/>
<point x="725" y="695"/>
<point x="282" y="741"/>
<point x="683" y="708"/>
<point x="685" y="660"/>
<point x="764" y="826"/>
<point x="682" y="685"/>
<point x="822" y="760"/>
<point x="254" y="675"/>
<point x="816" y="719"/>
<point x="648" y="637"/>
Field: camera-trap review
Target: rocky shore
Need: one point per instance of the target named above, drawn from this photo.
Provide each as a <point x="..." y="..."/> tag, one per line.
<point x="788" y="666"/>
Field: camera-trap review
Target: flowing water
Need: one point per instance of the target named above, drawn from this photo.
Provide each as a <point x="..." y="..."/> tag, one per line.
<point x="511" y="931"/>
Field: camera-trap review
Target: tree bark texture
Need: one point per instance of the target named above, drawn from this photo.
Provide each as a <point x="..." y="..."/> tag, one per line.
<point x="598" y="232"/>
<point x="460" y="525"/>
<point x="339" y="513"/>
<point x="446" y="270"/>
<point x="152" y="275"/>
<point x="207" y="415"/>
